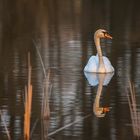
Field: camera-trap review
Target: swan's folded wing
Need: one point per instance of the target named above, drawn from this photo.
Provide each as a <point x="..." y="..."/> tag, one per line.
<point x="91" y="65"/>
<point x="108" y="66"/>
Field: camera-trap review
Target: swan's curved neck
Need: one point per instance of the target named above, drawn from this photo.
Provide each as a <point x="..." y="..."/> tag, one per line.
<point x="99" y="51"/>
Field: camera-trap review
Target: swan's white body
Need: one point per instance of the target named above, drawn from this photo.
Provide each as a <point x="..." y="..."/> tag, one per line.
<point x="99" y="63"/>
<point x="93" y="65"/>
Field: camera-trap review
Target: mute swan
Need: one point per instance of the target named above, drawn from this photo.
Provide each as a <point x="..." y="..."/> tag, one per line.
<point x="99" y="63"/>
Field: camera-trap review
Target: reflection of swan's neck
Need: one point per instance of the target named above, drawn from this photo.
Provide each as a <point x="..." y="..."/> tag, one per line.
<point x="98" y="47"/>
<point x="96" y="106"/>
<point x="98" y="95"/>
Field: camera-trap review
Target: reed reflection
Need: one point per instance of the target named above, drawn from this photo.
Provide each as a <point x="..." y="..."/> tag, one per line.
<point x="101" y="80"/>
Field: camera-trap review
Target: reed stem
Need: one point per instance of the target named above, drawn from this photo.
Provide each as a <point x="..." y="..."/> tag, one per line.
<point x="28" y="103"/>
<point x="133" y="110"/>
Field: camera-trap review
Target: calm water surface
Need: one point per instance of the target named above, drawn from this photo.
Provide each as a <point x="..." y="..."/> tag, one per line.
<point x="63" y="32"/>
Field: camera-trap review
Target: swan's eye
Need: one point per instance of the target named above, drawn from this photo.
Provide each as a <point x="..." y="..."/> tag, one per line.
<point x="105" y="33"/>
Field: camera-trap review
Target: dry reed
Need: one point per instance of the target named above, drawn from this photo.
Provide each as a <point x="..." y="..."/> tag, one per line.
<point x="40" y="58"/>
<point x="45" y="110"/>
<point x="46" y="87"/>
<point x="135" y="115"/>
<point x="28" y="103"/>
<point x="45" y="103"/>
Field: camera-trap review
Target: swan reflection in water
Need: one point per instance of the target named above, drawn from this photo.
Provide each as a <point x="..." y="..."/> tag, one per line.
<point x="101" y="80"/>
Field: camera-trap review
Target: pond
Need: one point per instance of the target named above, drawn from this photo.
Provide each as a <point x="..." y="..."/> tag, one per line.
<point x="60" y="34"/>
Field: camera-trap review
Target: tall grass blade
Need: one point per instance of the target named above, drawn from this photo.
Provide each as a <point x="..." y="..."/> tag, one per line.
<point x="135" y="117"/>
<point x="40" y="58"/>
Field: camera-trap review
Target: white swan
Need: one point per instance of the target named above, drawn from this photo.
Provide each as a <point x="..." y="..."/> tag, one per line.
<point x="99" y="63"/>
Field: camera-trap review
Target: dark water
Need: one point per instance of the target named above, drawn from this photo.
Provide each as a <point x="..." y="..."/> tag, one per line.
<point x="63" y="31"/>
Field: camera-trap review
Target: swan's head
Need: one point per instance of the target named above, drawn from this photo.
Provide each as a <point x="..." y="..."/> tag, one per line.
<point x="101" y="33"/>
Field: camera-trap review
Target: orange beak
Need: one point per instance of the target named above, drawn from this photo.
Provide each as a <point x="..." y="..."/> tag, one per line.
<point x="106" y="109"/>
<point x="108" y="36"/>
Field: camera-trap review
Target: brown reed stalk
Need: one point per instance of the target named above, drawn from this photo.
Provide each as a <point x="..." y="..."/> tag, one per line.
<point x="46" y="109"/>
<point x="45" y="102"/>
<point x="5" y="126"/>
<point x="28" y="103"/>
<point x="133" y="110"/>
<point x="40" y="58"/>
<point x="45" y="126"/>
